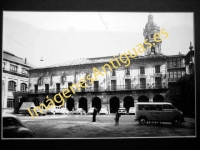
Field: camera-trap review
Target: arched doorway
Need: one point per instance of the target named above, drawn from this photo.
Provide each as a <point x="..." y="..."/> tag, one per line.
<point x="114" y="104"/>
<point x="128" y="102"/>
<point x="70" y="104"/>
<point x="96" y="102"/>
<point x="158" y="98"/>
<point x="143" y="99"/>
<point x="36" y="101"/>
<point x="83" y="103"/>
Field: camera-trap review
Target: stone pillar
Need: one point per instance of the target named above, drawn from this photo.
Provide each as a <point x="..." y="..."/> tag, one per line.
<point x="121" y="103"/>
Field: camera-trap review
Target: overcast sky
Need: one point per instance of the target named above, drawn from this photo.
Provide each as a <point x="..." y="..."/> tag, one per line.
<point x="58" y="37"/>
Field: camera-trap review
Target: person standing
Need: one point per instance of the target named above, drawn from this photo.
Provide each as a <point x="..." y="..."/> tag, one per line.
<point x="94" y="114"/>
<point x="118" y="115"/>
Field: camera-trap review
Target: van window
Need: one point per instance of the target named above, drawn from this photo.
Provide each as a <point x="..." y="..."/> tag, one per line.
<point x="168" y="107"/>
<point x="143" y="107"/>
<point x="155" y="107"/>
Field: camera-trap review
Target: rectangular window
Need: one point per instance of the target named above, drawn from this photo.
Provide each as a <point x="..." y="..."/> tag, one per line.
<point x="171" y="74"/>
<point x="158" y="82"/>
<point x="142" y="70"/>
<point x="178" y="62"/>
<point x="113" y="72"/>
<point x="157" y="69"/>
<point x="113" y="85"/>
<point x="69" y="84"/>
<point x="175" y="74"/>
<point x="142" y="83"/>
<point x="10" y="103"/>
<point x="11" y="86"/>
<point x="96" y="85"/>
<point x="4" y="65"/>
<point x="151" y="35"/>
<point x="127" y="84"/>
<point x="13" y="68"/>
<point x="174" y="62"/>
<point x="82" y="89"/>
<point x="46" y="88"/>
<point x="23" y="87"/>
<point x="57" y="87"/>
<point x="36" y="88"/>
<point x="179" y="74"/>
<point x="127" y="71"/>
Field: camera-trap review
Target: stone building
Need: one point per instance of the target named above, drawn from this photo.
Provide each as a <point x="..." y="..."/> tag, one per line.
<point x="14" y="81"/>
<point x="145" y="79"/>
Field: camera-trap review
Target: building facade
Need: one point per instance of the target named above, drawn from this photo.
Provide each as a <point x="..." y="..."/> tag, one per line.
<point x="148" y="78"/>
<point x="14" y="81"/>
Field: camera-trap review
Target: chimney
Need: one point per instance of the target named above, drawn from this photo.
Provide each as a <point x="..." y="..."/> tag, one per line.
<point x="25" y="61"/>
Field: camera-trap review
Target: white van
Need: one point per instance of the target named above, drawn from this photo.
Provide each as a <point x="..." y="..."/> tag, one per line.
<point x="161" y="112"/>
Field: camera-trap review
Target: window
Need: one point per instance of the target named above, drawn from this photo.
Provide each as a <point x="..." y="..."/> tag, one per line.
<point x="128" y="84"/>
<point x="11" y="86"/>
<point x="10" y="103"/>
<point x="69" y="84"/>
<point x="96" y="85"/>
<point x="175" y="62"/>
<point x="127" y="71"/>
<point x="113" y="84"/>
<point x="158" y="82"/>
<point x="23" y="87"/>
<point x="151" y="35"/>
<point x="57" y="87"/>
<point x="113" y="72"/>
<point x="36" y="88"/>
<point x="143" y="83"/>
<point x="46" y="88"/>
<point x="153" y="51"/>
<point x="157" y="69"/>
<point x="142" y="70"/>
<point x="82" y="88"/>
<point x="168" y="107"/>
<point x="24" y="71"/>
<point x="13" y="68"/>
<point x="144" y="107"/>
<point x="4" y="65"/>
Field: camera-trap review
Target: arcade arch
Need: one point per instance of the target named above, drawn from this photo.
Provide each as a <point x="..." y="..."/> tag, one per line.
<point x="114" y="104"/>
<point x="143" y="99"/>
<point x="83" y="103"/>
<point x="128" y="102"/>
<point x="96" y="102"/>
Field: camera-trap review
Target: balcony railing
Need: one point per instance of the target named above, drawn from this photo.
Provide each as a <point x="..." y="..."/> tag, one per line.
<point x="136" y="87"/>
<point x="54" y="91"/>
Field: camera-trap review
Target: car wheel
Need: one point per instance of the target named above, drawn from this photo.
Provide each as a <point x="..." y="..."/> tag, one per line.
<point x="142" y="120"/>
<point x="176" y="121"/>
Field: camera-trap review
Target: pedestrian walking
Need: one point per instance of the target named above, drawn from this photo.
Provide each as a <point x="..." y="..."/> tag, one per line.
<point x="94" y="114"/>
<point x="118" y="115"/>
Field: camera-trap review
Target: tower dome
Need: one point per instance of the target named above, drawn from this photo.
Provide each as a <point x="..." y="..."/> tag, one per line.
<point x="150" y="23"/>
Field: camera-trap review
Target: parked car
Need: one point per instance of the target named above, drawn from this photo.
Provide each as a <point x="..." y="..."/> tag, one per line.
<point x="80" y="111"/>
<point x="91" y="110"/>
<point x="103" y="111"/>
<point x="14" y="128"/>
<point x="57" y="110"/>
<point x="122" y="110"/>
<point x="40" y="112"/>
<point x="132" y="111"/>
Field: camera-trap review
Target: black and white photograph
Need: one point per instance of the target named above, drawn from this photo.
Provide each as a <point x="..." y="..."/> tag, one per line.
<point x="98" y="75"/>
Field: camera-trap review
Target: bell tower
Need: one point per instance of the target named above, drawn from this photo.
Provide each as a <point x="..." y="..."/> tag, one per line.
<point x="150" y="29"/>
